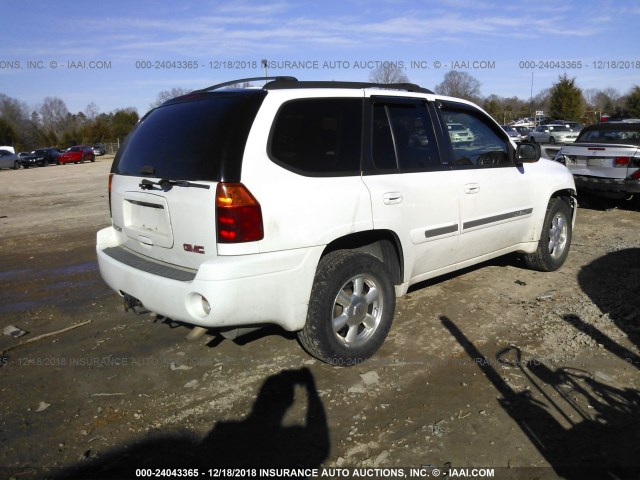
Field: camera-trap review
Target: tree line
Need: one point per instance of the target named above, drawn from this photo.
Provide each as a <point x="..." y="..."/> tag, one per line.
<point x="51" y="124"/>
<point x="563" y="100"/>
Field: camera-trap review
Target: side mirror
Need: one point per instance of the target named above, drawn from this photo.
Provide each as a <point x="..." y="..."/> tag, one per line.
<point x="528" y="153"/>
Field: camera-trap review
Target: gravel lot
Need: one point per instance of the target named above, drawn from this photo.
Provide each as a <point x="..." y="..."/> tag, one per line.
<point x="534" y="375"/>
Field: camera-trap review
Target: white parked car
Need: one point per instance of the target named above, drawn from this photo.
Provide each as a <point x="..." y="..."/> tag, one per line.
<point x="459" y="134"/>
<point x="605" y="159"/>
<point x="553" y="133"/>
<point x="313" y="205"/>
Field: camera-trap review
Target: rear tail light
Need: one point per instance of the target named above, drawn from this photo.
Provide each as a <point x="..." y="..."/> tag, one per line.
<point x="635" y="175"/>
<point x="110" y="181"/>
<point x="621" y="161"/>
<point x="238" y="214"/>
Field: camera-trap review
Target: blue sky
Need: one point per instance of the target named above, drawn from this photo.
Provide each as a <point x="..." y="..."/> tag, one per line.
<point x="96" y="52"/>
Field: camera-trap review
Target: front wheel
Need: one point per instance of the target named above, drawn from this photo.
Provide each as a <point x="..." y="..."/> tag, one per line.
<point x="350" y="310"/>
<point x="16" y="165"/>
<point x="555" y="239"/>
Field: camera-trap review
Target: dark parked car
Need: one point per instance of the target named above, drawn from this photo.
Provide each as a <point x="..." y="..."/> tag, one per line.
<point x="77" y="154"/>
<point x="40" y="157"/>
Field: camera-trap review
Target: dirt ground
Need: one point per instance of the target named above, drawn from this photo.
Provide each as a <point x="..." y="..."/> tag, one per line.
<point x="533" y="375"/>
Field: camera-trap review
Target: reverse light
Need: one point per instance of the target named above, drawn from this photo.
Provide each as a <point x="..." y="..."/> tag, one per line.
<point x="238" y="214"/>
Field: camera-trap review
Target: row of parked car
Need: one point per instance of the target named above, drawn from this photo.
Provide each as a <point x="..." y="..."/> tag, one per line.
<point x="43" y="157"/>
<point x="558" y="131"/>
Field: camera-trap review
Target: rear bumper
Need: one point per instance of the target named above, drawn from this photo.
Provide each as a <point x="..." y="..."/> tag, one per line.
<point x="265" y="288"/>
<point x="604" y="184"/>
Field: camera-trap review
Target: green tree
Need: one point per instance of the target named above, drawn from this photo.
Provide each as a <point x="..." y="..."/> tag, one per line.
<point x="565" y="100"/>
<point x="123" y="121"/>
<point x="8" y="135"/>
<point x="632" y="102"/>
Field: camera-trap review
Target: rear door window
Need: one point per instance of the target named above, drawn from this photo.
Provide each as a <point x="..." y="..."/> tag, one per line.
<point x="403" y="138"/>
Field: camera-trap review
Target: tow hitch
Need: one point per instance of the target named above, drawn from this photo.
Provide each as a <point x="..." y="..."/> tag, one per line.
<point x="133" y="304"/>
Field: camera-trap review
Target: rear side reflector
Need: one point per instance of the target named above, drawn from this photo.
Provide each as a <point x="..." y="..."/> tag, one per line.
<point x="238" y="214"/>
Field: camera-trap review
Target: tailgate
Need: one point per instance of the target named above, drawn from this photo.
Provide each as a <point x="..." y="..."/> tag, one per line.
<point x="175" y="226"/>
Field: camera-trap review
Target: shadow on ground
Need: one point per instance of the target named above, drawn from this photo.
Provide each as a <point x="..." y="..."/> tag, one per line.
<point x="583" y="427"/>
<point x="261" y="440"/>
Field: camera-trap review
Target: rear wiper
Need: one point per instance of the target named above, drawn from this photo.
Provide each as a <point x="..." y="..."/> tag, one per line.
<point x="166" y="184"/>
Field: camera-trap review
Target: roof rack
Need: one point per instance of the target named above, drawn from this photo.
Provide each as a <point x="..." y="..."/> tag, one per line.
<point x="245" y="80"/>
<point x="410" y="87"/>
<point x="281" y="82"/>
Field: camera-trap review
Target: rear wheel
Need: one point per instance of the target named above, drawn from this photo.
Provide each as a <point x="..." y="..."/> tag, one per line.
<point x="552" y="140"/>
<point x="350" y="310"/>
<point x="555" y="240"/>
<point x="16" y="165"/>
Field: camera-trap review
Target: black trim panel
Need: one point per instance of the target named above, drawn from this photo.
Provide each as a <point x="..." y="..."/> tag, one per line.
<point x="497" y="218"/>
<point x="145" y="204"/>
<point x="139" y="262"/>
<point x="440" y="231"/>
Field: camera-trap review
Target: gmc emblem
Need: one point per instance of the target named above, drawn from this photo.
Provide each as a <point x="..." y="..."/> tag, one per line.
<point x="193" y="248"/>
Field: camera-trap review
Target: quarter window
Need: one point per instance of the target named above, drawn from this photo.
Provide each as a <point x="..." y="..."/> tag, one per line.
<point x="319" y="136"/>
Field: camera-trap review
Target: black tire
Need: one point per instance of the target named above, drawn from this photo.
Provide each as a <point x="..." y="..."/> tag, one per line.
<point x="45" y="163"/>
<point x="93" y="158"/>
<point x="552" y="140"/>
<point x="16" y="165"/>
<point x="555" y="239"/>
<point x="350" y="310"/>
<point x="532" y="140"/>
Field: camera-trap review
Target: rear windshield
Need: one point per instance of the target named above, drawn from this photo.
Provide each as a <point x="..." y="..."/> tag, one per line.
<point x="623" y="135"/>
<point x="198" y="138"/>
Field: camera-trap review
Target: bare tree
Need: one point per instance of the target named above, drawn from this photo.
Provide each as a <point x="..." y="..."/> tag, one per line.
<point x="92" y="111"/>
<point x="459" y="84"/>
<point x="54" y="114"/>
<point x="388" y="73"/>
<point x="165" y="95"/>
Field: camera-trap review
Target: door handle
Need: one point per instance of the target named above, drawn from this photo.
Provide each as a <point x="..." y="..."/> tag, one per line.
<point x="392" y="198"/>
<point x="471" y="188"/>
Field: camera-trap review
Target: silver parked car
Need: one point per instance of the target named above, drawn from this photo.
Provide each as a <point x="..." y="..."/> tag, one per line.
<point x="605" y="159"/>
<point x="553" y="133"/>
<point x="9" y="159"/>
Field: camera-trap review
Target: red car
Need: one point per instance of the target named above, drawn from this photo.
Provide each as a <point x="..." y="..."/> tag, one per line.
<point x="77" y="154"/>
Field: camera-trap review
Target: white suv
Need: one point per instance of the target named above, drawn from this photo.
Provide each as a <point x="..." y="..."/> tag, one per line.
<point x="313" y="205"/>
